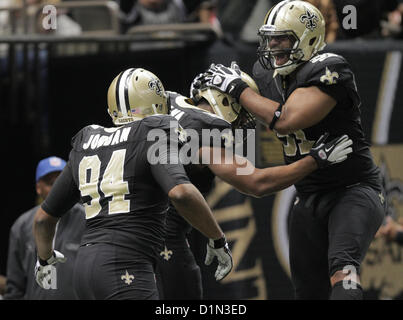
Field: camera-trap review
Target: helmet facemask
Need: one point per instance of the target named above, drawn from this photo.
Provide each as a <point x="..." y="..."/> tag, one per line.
<point x="245" y="120"/>
<point x="301" y="23"/>
<point x="283" y="60"/>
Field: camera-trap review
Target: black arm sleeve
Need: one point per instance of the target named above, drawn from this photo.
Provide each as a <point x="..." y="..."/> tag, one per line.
<point x="64" y="194"/>
<point x="169" y="175"/>
<point x="334" y="77"/>
<point x="168" y="171"/>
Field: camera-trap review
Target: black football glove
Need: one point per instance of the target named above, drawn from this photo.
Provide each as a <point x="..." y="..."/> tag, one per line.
<point x="198" y="83"/>
<point x="219" y="248"/>
<point x="335" y="151"/>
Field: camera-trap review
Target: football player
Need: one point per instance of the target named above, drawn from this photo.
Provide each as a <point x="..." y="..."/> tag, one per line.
<point x="125" y="197"/>
<point x="302" y="94"/>
<point x="178" y="274"/>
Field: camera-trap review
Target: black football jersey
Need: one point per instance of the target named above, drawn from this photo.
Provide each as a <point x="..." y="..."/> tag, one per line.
<point x="123" y="191"/>
<point x="332" y="74"/>
<point x="191" y="117"/>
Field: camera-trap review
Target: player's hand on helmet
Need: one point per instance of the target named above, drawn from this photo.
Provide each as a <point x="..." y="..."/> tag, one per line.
<point x="198" y="83"/>
<point x="335" y="151"/>
<point x="45" y="270"/>
<point x="226" y="79"/>
<point x="219" y="248"/>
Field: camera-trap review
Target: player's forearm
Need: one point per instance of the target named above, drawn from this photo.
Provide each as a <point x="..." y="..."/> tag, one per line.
<point x="44" y="230"/>
<point x="274" y="179"/>
<point x="193" y="207"/>
<point x="304" y="108"/>
<point x="230" y="173"/>
<point x="263" y="108"/>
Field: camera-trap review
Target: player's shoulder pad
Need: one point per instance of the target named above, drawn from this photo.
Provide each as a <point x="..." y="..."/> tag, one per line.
<point x="258" y="72"/>
<point x="262" y="77"/>
<point x="323" y="60"/>
<point x="196" y="117"/>
<point x="172" y="94"/>
<point x="325" y="68"/>
<point x="83" y="134"/>
<point x="160" y="121"/>
<point x="206" y="120"/>
<point x="172" y="97"/>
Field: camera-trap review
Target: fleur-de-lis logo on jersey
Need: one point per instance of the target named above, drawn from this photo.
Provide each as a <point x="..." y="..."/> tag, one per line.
<point x="381" y="198"/>
<point x="127" y="278"/>
<point x="309" y="19"/>
<point x="182" y="134"/>
<point x="166" y="254"/>
<point x="329" y="77"/>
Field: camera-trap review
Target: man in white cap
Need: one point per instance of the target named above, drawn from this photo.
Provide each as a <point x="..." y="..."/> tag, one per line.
<point x="22" y="257"/>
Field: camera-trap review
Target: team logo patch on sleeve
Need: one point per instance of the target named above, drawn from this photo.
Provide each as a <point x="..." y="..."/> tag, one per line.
<point x="310" y="19"/>
<point x="329" y="77"/>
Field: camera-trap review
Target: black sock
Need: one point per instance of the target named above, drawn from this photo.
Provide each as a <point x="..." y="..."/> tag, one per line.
<point x="353" y="292"/>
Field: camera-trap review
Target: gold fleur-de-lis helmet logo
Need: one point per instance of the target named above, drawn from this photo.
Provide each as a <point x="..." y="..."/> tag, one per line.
<point x="156" y="85"/>
<point x="310" y="19"/>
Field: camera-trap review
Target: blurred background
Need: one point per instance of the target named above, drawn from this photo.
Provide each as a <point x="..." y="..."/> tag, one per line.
<point x="57" y="59"/>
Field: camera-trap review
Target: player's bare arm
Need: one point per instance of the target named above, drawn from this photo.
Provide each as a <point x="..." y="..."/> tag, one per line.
<point x="260" y="182"/>
<point x="304" y="108"/>
<point x="189" y="202"/>
<point x="44" y="230"/>
<point x="193" y="207"/>
<point x="263" y="182"/>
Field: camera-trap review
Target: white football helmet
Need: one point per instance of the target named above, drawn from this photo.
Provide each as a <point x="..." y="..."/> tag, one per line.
<point x="135" y="94"/>
<point x="302" y="23"/>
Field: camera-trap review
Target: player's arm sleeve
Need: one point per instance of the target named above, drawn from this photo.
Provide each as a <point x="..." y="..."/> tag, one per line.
<point x="169" y="175"/>
<point x="334" y="78"/>
<point x="16" y="275"/>
<point x="168" y="171"/>
<point x="64" y="194"/>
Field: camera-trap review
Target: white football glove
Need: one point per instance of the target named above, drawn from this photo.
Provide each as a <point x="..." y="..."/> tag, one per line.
<point x="45" y="271"/>
<point x="219" y="248"/>
<point x="226" y="79"/>
<point x="332" y="152"/>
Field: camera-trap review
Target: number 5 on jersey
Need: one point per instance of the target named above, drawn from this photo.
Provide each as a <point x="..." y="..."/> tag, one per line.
<point x="112" y="184"/>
